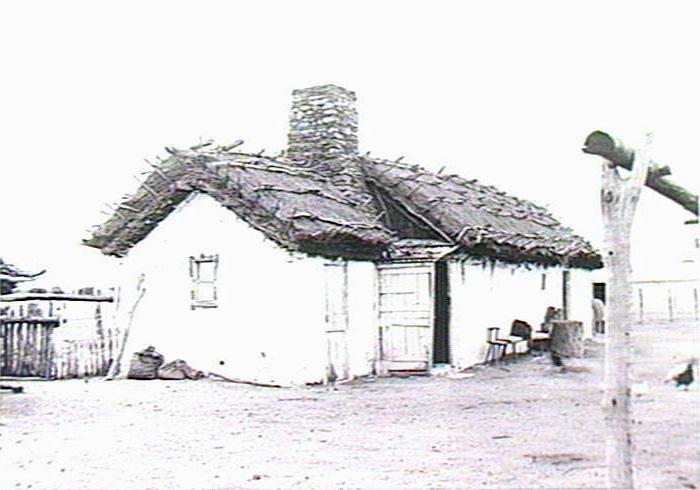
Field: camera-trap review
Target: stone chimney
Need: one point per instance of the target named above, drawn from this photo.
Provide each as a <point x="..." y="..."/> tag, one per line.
<point x="323" y="124"/>
<point x="323" y="137"/>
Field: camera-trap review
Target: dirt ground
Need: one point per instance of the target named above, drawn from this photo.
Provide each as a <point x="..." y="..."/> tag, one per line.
<point x="525" y="425"/>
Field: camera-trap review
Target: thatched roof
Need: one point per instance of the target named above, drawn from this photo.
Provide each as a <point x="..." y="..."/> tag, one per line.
<point x="303" y="211"/>
<point x="295" y="208"/>
<point x="483" y="220"/>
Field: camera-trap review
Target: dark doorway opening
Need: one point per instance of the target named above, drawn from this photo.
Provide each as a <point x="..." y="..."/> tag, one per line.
<point x="599" y="291"/>
<point x="441" y="329"/>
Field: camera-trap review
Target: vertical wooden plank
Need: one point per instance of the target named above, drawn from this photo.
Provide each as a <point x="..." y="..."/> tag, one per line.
<point x="39" y="365"/>
<point x="73" y="360"/>
<point x="108" y="348"/>
<point x="87" y="352"/>
<point x="25" y="350"/>
<point x="2" y="347"/>
<point x="60" y="362"/>
<point x="30" y="356"/>
<point x="15" y="344"/>
<point x="65" y="346"/>
<point x="566" y="294"/>
<point x="76" y="359"/>
<point x="47" y="349"/>
<point x="44" y="357"/>
<point x="10" y="348"/>
<point x="93" y="357"/>
<point x="21" y="344"/>
<point x="39" y="346"/>
<point x="20" y="347"/>
<point x="5" y="348"/>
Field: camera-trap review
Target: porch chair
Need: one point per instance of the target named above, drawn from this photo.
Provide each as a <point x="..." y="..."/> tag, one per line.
<point x="496" y="347"/>
<point x="520" y="332"/>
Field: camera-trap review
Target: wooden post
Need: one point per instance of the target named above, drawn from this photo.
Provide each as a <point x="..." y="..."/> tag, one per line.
<point x="114" y="368"/>
<point x="619" y="199"/>
<point x="566" y="295"/>
<point x="49" y="351"/>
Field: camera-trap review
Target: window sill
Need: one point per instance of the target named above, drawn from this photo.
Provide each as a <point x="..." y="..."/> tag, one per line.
<point x="195" y="306"/>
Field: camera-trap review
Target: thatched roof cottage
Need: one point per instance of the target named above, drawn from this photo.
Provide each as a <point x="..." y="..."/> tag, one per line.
<point x="285" y="268"/>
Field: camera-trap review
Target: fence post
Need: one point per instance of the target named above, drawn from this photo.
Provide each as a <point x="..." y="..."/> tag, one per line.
<point x="48" y="349"/>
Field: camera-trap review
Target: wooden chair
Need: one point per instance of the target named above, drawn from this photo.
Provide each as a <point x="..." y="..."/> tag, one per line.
<point x="496" y="347"/>
<point x="520" y="332"/>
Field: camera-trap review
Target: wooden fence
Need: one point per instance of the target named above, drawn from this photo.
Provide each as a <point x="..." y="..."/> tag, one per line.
<point x="665" y="301"/>
<point x="27" y="347"/>
<point x="32" y="348"/>
<point x="80" y="358"/>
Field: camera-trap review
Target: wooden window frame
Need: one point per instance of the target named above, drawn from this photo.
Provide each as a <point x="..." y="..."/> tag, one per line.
<point x="195" y="263"/>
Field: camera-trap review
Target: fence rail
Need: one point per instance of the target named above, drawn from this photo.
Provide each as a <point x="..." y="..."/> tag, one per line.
<point x="661" y="301"/>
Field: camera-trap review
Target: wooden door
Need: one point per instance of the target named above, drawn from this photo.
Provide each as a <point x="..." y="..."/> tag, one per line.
<point x="336" y="275"/>
<point x="405" y="316"/>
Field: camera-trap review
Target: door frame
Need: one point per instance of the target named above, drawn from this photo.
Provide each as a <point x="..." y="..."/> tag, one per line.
<point x="382" y="365"/>
<point x="329" y="330"/>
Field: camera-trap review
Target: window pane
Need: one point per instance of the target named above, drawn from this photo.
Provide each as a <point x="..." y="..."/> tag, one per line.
<point x="205" y="292"/>
<point x="206" y="271"/>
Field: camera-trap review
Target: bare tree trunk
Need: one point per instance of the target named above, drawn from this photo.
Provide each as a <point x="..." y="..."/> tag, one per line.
<point x="115" y="367"/>
<point x="618" y="202"/>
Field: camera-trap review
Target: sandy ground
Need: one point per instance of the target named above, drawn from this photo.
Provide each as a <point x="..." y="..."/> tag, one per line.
<point x="524" y="426"/>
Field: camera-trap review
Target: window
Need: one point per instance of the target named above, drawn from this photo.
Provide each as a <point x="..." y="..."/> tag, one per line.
<point x="203" y="271"/>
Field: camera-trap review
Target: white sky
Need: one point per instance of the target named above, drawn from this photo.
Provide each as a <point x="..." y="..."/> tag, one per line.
<point x="505" y="92"/>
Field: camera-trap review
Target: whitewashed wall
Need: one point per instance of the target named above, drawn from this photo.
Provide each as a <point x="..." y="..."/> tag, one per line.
<point x="269" y="326"/>
<point x="494" y="297"/>
<point x="581" y="297"/>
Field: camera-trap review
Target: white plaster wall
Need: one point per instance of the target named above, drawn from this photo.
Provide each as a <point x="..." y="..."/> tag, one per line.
<point x="580" y="309"/>
<point x="494" y="297"/>
<point x="270" y="320"/>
